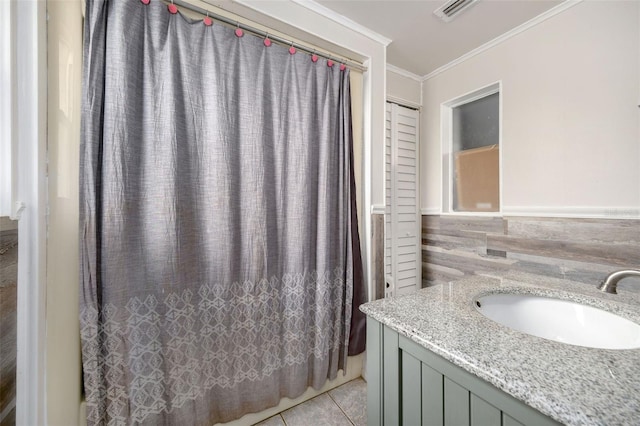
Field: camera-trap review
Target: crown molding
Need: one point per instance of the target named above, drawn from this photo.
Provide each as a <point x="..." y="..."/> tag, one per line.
<point x="342" y="20"/>
<point x="401" y="71"/>
<point x="504" y="37"/>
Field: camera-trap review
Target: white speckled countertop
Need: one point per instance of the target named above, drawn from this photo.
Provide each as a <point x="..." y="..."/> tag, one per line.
<point x="572" y="384"/>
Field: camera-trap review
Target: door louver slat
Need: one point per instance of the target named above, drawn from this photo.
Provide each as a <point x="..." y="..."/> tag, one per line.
<point x="402" y="237"/>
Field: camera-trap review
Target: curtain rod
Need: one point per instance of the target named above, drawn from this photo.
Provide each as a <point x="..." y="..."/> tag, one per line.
<point x="274" y="38"/>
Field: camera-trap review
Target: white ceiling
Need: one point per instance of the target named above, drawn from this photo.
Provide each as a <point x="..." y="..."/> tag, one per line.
<point x="421" y="42"/>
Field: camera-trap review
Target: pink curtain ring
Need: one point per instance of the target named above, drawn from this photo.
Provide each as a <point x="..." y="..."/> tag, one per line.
<point x="239" y="32"/>
<point x="173" y="9"/>
<point x="292" y="50"/>
<point x="343" y="67"/>
<point x="329" y="63"/>
<point x="267" y="42"/>
<point x="145" y="1"/>
<point x="207" y="21"/>
<point x="314" y="58"/>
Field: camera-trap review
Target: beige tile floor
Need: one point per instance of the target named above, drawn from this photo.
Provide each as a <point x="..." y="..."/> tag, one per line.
<point x="345" y="405"/>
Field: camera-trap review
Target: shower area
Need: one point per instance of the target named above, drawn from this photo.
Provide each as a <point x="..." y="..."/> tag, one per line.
<point x="219" y="253"/>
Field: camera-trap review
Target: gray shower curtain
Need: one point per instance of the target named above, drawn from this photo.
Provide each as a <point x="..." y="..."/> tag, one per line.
<point x="218" y="242"/>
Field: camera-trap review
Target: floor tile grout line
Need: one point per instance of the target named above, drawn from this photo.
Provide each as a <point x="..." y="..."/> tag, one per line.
<point x="339" y="407"/>
<point x="294" y="406"/>
<point x="280" y="414"/>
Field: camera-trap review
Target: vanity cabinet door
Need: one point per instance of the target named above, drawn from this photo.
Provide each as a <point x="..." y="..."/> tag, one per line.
<point x="391" y="378"/>
<point x="465" y="399"/>
<point x="509" y="421"/>
<point x="410" y="385"/>
<point x="483" y="413"/>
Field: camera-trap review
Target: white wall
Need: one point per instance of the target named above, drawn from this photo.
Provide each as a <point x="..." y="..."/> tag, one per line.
<point x="401" y="87"/>
<point x="570" y="123"/>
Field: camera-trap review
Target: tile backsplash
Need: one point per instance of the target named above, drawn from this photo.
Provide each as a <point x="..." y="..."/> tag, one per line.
<point x="583" y="250"/>
<point x="8" y="318"/>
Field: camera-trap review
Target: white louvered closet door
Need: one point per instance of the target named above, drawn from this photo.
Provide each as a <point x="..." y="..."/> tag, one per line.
<point x="402" y="215"/>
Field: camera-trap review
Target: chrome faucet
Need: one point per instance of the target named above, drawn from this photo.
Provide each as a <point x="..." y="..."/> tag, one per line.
<point x="611" y="282"/>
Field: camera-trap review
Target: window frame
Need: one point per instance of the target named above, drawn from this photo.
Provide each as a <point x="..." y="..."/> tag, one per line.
<point x="446" y="131"/>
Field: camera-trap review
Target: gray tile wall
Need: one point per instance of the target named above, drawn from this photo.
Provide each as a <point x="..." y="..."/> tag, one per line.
<point x="582" y="250"/>
<point x="8" y="323"/>
<point x="377" y="242"/>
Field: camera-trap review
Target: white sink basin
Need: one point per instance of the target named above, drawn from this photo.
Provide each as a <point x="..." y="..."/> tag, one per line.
<point x="560" y="320"/>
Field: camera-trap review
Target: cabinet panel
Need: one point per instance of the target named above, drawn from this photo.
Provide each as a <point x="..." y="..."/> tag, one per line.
<point x="411" y="385"/>
<point x="473" y="385"/>
<point x="483" y="413"/>
<point x="411" y="389"/>
<point x="507" y="420"/>
<point x="432" y="397"/>
<point x="391" y="377"/>
<point x="456" y="404"/>
<point x="374" y="372"/>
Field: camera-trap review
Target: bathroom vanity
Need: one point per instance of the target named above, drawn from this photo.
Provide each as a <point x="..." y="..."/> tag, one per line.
<point x="434" y="359"/>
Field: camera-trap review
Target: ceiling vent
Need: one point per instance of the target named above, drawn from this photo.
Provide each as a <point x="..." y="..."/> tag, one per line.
<point x="452" y="8"/>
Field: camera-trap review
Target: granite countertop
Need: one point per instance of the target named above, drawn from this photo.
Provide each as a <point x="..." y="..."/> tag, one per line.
<point x="572" y="384"/>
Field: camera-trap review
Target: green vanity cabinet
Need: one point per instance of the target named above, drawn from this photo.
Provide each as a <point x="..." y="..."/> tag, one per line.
<point x="410" y="385"/>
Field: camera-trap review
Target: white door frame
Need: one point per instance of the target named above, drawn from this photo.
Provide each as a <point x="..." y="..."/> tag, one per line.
<point x="28" y="38"/>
